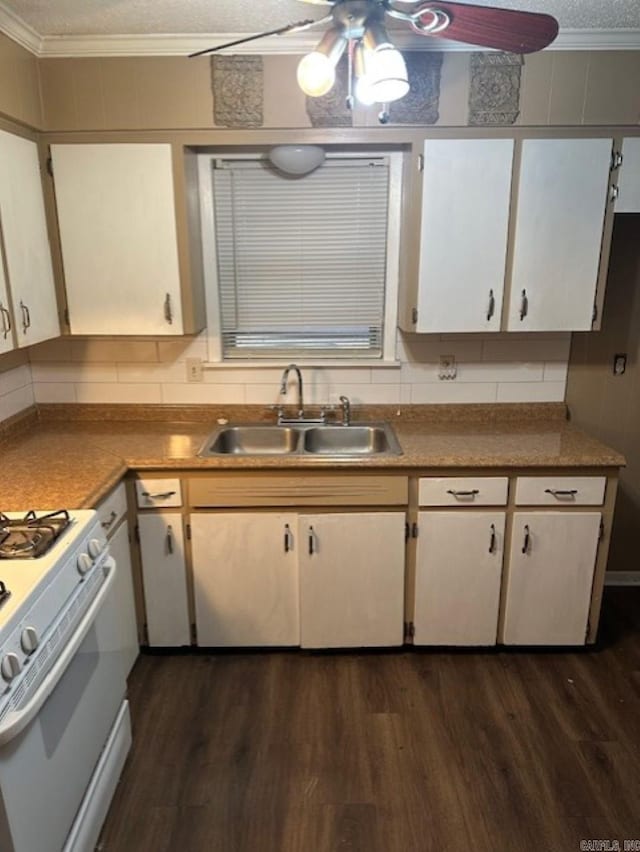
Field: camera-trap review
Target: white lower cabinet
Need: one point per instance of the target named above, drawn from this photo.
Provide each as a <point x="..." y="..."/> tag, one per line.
<point x="458" y="576"/>
<point x="352" y="579"/>
<point x="331" y="580"/>
<point x="245" y="577"/>
<point x="125" y="638"/>
<point x="549" y="577"/>
<point x="164" y="578"/>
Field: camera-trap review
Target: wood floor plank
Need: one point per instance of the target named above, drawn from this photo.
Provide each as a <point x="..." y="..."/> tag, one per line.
<point x="410" y="751"/>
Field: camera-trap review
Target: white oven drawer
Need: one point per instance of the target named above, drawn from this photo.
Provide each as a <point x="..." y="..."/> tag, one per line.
<point x="560" y="490"/>
<point x="158" y="493"/>
<point x="113" y="508"/>
<point x="463" y="491"/>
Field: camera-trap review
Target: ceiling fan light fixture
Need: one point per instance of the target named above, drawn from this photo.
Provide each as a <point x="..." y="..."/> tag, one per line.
<point x="363" y="90"/>
<point x="297" y="160"/>
<point x="387" y="74"/>
<point x="317" y="70"/>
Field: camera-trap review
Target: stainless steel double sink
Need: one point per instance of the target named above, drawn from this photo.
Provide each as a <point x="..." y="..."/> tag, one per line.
<point x="353" y="441"/>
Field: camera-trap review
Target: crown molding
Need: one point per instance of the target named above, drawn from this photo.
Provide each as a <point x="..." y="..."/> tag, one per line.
<point x="153" y="44"/>
<point x="13" y="26"/>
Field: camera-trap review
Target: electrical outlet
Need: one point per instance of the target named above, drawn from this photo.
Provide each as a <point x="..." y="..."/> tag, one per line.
<point x="194" y="370"/>
<point x="447" y="370"/>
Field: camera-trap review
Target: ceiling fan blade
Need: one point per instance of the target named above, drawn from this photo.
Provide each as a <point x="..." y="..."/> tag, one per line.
<point x="300" y="25"/>
<point x="488" y="26"/>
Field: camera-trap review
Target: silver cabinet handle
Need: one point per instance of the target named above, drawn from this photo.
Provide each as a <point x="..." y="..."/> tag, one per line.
<point x="492" y="305"/>
<point x="108" y="524"/>
<point x="614" y="192"/>
<point x="527" y="539"/>
<point x="162" y="495"/>
<point x="6" y="320"/>
<point x="169" y="540"/>
<point x="559" y="493"/>
<point x="524" y="305"/>
<point x="168" y="313"/>
<point x="458" y="494"/>
<point x="616" y="160"/>
<point x="26" y="317"/>
<point x="492" y="540"/>
<point x="311" y="541"/>
<point x="288" y="539"/>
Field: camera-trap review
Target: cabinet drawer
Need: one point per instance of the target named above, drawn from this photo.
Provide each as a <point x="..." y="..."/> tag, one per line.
<point x="158" y="493"/>
<point x="560" y="490"/>
<point x="113" y="508"/>
<point x="464" y="491"/>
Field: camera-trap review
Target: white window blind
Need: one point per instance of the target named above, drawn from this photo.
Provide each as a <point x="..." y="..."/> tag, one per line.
<point x="301" y="261"/>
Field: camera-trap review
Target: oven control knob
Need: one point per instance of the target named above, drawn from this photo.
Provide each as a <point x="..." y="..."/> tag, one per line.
<point x="29" y="640"/>
<point x="10" y="667"/>
<point x="84" y="563"/>
<point x="96" y="547"/>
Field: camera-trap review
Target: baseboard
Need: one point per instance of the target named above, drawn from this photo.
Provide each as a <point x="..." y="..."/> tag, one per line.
<point x="622" y="578"/>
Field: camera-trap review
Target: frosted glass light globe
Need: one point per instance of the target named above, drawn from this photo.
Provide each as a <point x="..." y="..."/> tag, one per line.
<point x="388" y="74"/>
<point x="316" y="74"/>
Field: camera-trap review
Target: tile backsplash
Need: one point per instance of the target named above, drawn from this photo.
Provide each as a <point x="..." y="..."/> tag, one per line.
<point x="490" y="368"/>
<point x="16" y="390"/>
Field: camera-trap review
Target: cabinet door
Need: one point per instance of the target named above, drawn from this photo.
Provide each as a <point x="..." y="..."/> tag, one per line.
<point x="351" y="579"/>
<point x="458" y="576"/>
<point x="562" y="197"/>
<point x="6" y="318"/>
<point x="549" y="577"/>
<point x="26" y="241"/>
<point x="628" y="200"/>
<point x="245" y="578"/>
<point x="164" y="578"/>
<point x="124" y="641"/>
<point x="118" y="233"/>
<point x="463" y="242"/>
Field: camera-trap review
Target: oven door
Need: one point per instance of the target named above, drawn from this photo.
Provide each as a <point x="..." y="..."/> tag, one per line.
<point x="46" y="768"/>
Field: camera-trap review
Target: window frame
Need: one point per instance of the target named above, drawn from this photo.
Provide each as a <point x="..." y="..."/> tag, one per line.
<point x="210" y="265"/>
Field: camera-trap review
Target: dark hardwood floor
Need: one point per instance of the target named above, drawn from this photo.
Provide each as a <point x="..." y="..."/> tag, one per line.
<point x="408" y="751"/>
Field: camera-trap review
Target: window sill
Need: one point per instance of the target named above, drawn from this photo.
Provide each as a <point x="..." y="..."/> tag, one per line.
<point x="301" y="362"/>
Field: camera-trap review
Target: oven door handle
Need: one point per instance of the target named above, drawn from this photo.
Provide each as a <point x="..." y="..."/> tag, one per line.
<point x="17" y="721"/>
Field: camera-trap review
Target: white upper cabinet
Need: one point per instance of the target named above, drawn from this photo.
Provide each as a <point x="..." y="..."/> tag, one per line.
<point x="117" y="219"/>
<point x="6" y="318"/>
<point x="26" y="244"/>
<point x="628" y="200"/>
<point x="464" y="227"/>
<point x="559" y="220"/>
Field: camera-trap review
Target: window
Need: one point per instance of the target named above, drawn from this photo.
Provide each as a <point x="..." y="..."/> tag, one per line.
<point x="301" y="267"/>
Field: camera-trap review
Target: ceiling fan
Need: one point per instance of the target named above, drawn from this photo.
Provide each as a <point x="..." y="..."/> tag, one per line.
<point x="377" y="71"/>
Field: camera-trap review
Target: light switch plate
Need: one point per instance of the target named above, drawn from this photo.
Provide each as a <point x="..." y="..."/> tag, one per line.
<point x="194" y="370"/>
<point x="447" y="369"/>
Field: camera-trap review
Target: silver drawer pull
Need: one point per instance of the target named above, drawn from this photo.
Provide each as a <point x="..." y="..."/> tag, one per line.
<point x="492" y="540"/>
<point x="458" y="494"/>
<point x="492" y="305"/>
<point x="311" y="541"/>
<point x="288" y="539"/>
<point x="162" y="495"/>
<point x="168" y="313"/>
<point x="108" y="524"/>
<point x="561" y="493"/>
<point x="527" y="539"/>
<point x="6" y="321"/>
<point x="524" y="305"/>
<point x="169" y="540"/>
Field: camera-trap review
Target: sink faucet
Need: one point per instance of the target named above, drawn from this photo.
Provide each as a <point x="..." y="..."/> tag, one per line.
<point x="346" y="410"/>
<point x="283" y="386"/>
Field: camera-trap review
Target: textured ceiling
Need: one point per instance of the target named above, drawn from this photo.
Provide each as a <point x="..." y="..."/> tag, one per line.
<point x="120" y="17"/>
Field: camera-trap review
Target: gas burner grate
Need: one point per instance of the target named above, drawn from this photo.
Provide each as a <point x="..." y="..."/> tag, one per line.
<point x="31" y="536"/>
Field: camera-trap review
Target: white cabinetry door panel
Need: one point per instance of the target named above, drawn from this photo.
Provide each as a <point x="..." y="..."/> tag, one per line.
<point x="463" y="243"/>
<point x="559" y="220"/>
<point x="458" y="576"/>
<point x="164" y="578"/>
<point x="351" y="579"/>
<point x="6" y="319"/>
<point x="628" y="200"/>
<point x="125" y="639"/>
<point x="245" y="577"/>
<point x="118" y="234"/>
<point x="549" y="577"/>
<point x="26" y="241"/>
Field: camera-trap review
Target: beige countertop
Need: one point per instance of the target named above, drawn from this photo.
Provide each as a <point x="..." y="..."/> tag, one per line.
<point x="72" y="461"/>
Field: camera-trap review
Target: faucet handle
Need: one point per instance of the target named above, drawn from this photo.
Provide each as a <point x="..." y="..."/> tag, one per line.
<point x="279" y="410"/>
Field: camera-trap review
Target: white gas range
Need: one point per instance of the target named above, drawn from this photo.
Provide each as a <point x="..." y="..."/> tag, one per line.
<point x="64" y="720"/>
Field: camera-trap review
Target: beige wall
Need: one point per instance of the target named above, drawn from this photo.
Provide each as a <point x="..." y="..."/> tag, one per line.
<point x="606" y="405"/>
<point x="19" y="84"/>
<point x="558" y="88"/>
